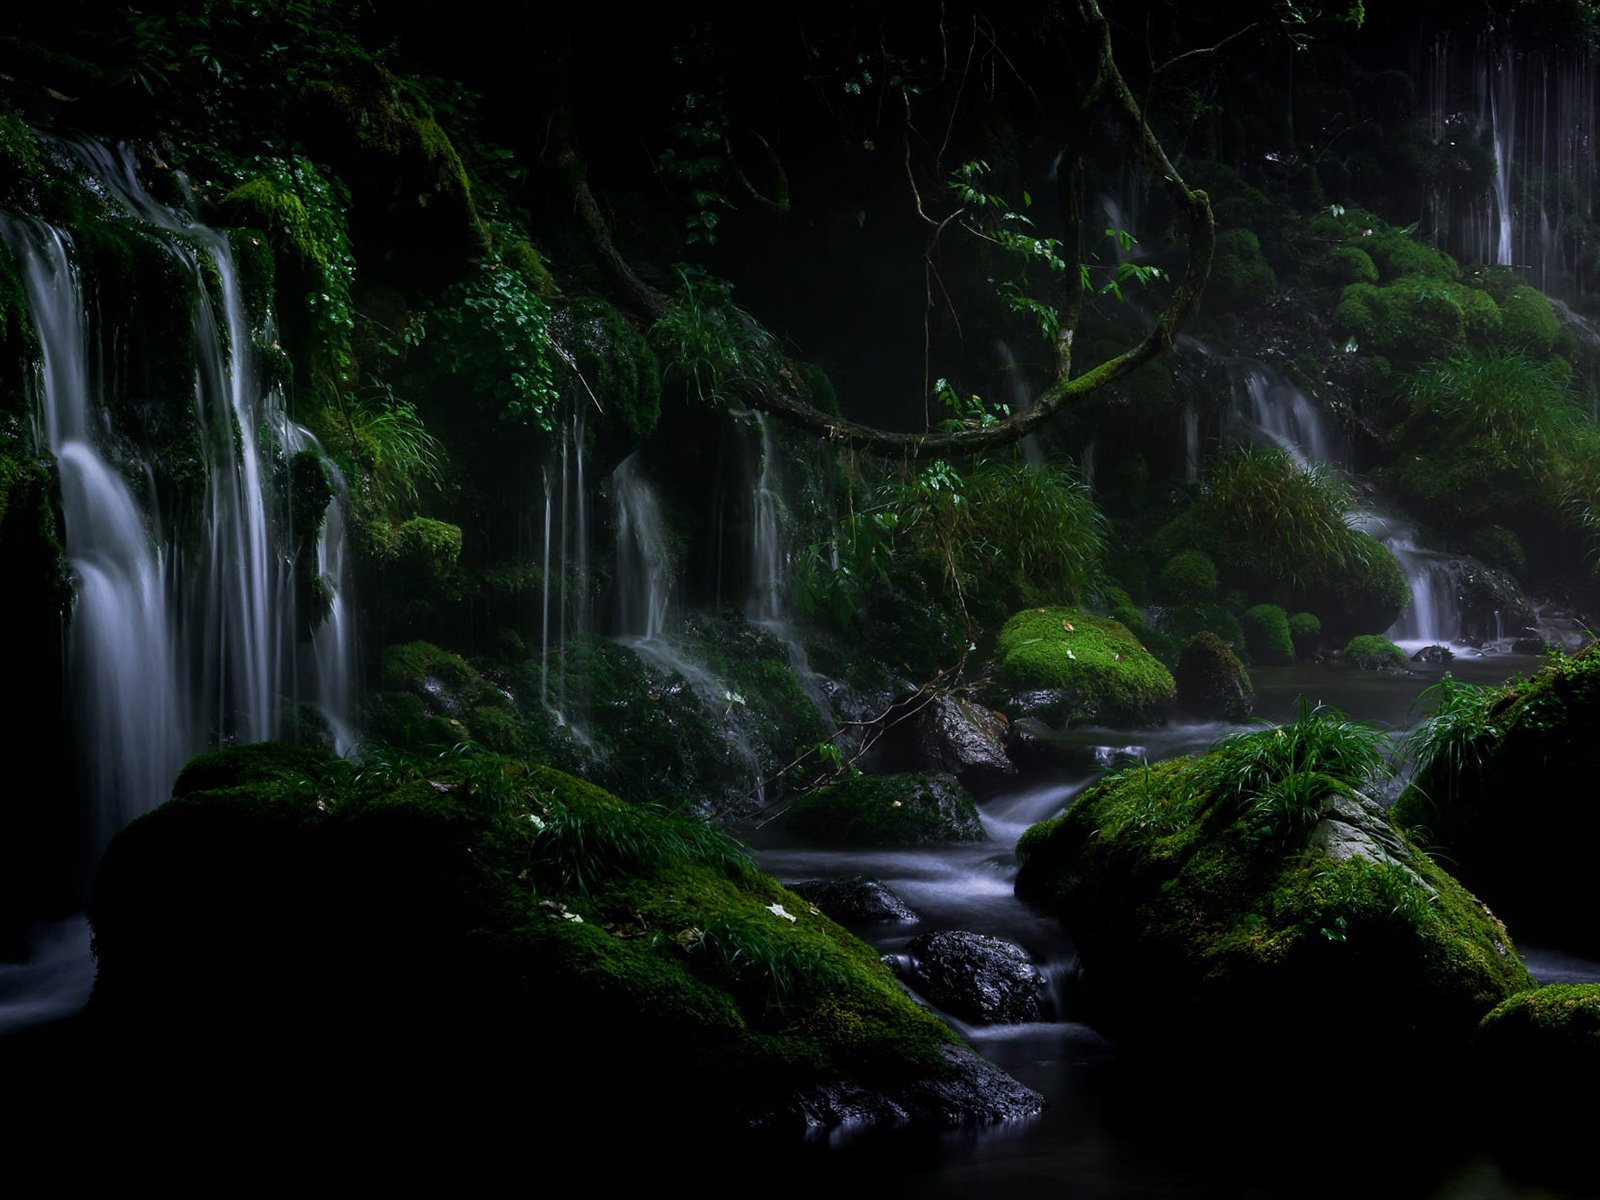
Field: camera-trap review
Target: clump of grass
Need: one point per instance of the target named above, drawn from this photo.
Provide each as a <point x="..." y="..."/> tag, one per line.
<point x="1454" y="740"/>
<point x="707" y="343"/>
<point x="584" y="845"/>
<point x="760" y="969"/>
<point x="1282" y="775"/>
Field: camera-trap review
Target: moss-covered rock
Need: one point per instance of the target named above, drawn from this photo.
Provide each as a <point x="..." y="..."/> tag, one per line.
<point x="1277" y="531"/>
<point x="1543" y="1042"/>
<point x="1226" y="906"/>
<point x="1374" y="652"/>
<point x="887" y="810"/>
<point x="283" y="892"/>
<point x="1305" y="631"/>
<point x="1344" y="265"/>
<point x="612" y="372"/>
<point x="1075" y="666"/>
<point x="1527" y="321"/>
<point x="1189" y="577"/>
<point x="1502" y="788"/>
<point x="1211" y="680"/>
<point x="1266" y="634"/>
<point x="1240" y="276"/>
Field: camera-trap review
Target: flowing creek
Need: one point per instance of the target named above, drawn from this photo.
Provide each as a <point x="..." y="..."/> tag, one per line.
<point x="1092" y="1140"/>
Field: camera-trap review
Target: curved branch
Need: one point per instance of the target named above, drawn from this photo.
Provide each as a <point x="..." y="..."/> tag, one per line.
<point x="783" y="394"/>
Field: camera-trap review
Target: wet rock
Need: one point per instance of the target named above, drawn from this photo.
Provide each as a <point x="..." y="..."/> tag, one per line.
<point x="977" y="977"/>
<point x="1433" y="654"/>
<point x="854" y="901"/>
<point x="1529" y="645"/>
<point x="964" y="739"/>
<point x="974" y="1092"/>
<point x="1212" y="682"/>
<point x="887" y="810"/>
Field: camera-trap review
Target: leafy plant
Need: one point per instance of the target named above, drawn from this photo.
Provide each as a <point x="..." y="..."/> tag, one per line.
<point x="389" y="453"/>
<point x="1456" y="737"/>
<point x="1281" y="775"/>
<point x="490" y="334"/>
<point x="709" y="344"/>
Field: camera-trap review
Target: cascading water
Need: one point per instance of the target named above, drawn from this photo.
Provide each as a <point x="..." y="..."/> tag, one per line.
<point x="130" y="710"/>
<point x="1538" y="119"/>
<point x="565" y="560"/>
<point x="644" y="576"/>
<point x="1269" y="408"/>
<point x="175" y="640"/>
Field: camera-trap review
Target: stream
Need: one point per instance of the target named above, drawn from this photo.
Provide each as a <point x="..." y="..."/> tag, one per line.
<point x="1103" y="1135"/>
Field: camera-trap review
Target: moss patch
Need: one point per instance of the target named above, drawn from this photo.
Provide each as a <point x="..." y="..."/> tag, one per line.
<point x="887" y="810"/>
<point x="1102" y="670"/>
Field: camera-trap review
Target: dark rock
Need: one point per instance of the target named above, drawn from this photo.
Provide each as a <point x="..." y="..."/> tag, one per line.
<point x="1212" y="682"/>
<point x="964" y="739"/>
<point x="1529" y="645"/>
<point x="887" y="810"/>
<point x="854" y="901"/>
<point x="1433" y="654"/>
<point x="977" y="977"/>
<point x="976" y="1092"/>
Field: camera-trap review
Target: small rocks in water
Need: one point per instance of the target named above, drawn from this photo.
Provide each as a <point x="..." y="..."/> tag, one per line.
<point x="977" y="977"/>
<point x="969" y="1091"/>
<point x="1434" y="654"/>
<point x="854" y="901"/>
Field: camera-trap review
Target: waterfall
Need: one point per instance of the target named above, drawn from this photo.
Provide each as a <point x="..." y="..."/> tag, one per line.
<point x="1538" y="120"/>
<point x="769" y="550"/>
<point x="1191" y="441"/>
<point x="1020" y="397"/>
<point x="123" y="660"/>
<point x="644" y="580"/>
<point x="175" y="640"/>
<point x="565" y="589"/>
<point x="1269" y="408"/>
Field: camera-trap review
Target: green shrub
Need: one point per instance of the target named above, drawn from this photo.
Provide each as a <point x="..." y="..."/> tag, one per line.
<point x="1374" y="652"/>
<point x="1528" y="322"/>
<point x="1240" y="276"/>
<point x="1278" y="531"/>
<point x="1188" y="578"/>
<point x="1266" y="634"/>
<point x="1305" y="631"/>
<point x="1348" y="264"/>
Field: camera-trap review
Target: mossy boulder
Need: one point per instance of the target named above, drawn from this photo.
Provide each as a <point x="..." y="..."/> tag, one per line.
<point x="1502" y="787"/>
<point x="1211" y="680"/>
<point x="1189" y="577"/>
<point x="887" y="810"/>
<point x="1544" y="1042"/>
<point x="1374" y="652"/>
<point x="1344" y="265"/>
<point x="1528" y="322"/>
<point x="1305" y="631"/>
<point x="1266" y="633"/>
<point x="1067" y="665"/>
<point x="1240" y="276"/>
<point x="611" y="372"/>
<point x="1277" y="532"/>
<point x="438" y="923"/>
<point x="1232" y="905"/>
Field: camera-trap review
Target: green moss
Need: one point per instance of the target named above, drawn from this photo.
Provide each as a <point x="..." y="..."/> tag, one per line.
<point x="612" y="372"/>
<point x="1104" y="672"/>
<point x="24" y="168"/>
<point x="1266" y="634"/>
<point x="424" y="669"/>
<point x="1501" y="786"/>
<point x="1527" y="321"/>
<point x="1212" y="681"/>
<point x="433" y="547"/>
<point x="887" y="810"/>
<point x="523" y="257"/>
<point x="1305" y="631"/>
<point x="1210" y="934"/>
<point x="1498" y="546"/>
<point x="1344" y="265"/>
<point x="1373" y="652"/>
<point x="1189" y="577"/>
<point x="1277" y="531"/>
<point x="539" y="903"/>
<point x="1240" y="275"/>
<point x="1545" y="1040"/>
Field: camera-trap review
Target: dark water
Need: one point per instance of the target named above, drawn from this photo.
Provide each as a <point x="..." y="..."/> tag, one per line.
<point x="1113" y="1131"/>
